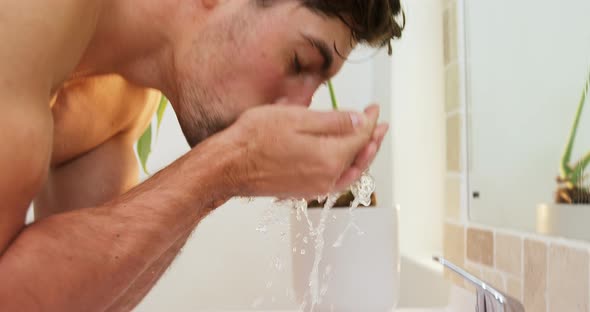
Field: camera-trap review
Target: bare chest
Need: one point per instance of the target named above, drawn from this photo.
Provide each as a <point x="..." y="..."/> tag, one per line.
<point x="87" y="113"/>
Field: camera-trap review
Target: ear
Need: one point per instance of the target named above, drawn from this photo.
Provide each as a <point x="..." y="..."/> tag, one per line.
<point x="210" y="4"/>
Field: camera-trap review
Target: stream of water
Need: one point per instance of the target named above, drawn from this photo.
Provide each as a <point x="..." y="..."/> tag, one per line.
<point x="318" y="286"/>
<point x="362" y="191"/>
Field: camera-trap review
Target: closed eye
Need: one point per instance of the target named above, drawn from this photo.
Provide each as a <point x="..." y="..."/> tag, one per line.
<point x="297" y="67"/>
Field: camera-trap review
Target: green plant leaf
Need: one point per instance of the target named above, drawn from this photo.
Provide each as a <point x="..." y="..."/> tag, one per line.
<point x="577" y="174"/>
<point x="144" y="148"/>
<point x="566" y="170"/>
<point x="160" y="113"/>
<point x="332" y="95"/>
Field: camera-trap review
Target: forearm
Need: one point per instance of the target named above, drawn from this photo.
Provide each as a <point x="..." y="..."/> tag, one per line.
<point x="147" y="280"/>
<point x="84" y="260"/>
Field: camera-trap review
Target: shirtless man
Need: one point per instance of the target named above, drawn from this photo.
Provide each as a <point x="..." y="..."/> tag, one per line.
<point x="77" y="88"/>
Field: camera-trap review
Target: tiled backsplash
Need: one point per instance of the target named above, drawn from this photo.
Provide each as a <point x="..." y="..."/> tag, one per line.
<point x="547" y="274"/>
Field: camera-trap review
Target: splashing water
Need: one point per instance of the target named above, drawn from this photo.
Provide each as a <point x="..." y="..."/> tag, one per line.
<point x="277" y="263"/>
<point x="362" y="191"/>
<point x="301" y="206"/>
<point x="318" y="233"/>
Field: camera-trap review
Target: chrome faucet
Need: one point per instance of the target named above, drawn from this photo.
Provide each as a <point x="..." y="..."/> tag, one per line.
<point x="489" y="299"/>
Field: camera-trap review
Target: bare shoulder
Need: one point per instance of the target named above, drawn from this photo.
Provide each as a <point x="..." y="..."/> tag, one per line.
<point x="42" y="41"/>
<point x="26" y="134"/>
<point x="90" y="111"/>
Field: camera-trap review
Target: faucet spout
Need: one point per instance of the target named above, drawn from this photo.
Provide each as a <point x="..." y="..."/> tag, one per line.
<point x="489" y="299"/>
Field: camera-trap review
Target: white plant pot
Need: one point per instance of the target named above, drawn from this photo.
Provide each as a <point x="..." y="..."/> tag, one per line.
<point x="365" y="269"/>
<point x="564" y="220"/>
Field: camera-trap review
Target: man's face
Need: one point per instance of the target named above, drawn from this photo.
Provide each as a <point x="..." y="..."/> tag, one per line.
<point x="246" y="55"/>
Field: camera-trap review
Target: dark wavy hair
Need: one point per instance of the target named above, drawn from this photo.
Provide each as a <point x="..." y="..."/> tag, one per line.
<point x="372" y="22"/>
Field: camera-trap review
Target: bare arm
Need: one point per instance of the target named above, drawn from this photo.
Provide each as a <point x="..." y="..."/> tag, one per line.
<point x="96" y="253"/>
<point x="86" y="259"/>
<point x="85" y="174"/>
<point x="148" y="279"/>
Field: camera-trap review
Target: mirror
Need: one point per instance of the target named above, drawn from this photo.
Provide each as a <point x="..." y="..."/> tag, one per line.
<point x="526" y="65"/>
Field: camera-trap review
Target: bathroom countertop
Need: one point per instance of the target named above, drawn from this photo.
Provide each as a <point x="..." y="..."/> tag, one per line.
<point x="460" y="300"/>
<point x="396" y="310"/>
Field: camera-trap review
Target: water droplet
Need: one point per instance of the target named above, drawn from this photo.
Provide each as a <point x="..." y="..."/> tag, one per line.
<point x="324" y="290"/>
<point x="268" y="285"/>
<point x="363" y="189"/>
<point x="290" y="295"/>
<point x="258" y="302"/>
<point x="277" y="263"/>
<point x="303" y="251"/>
<point x="262" y="228"/>
<point x="294" y="250"/>
<point x="305" y="240"/>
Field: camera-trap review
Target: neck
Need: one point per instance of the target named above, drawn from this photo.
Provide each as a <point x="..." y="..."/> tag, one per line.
<point x="134" y="39"/>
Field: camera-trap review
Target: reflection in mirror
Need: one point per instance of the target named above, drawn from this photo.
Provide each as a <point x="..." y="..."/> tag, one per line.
<point x="528" y="125"/>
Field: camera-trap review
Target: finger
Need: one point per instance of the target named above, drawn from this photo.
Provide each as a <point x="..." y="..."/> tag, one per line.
<point x="353" y="144"/>
<point x="339" y="123"/>
<point x="366" y="157"/>
<point x="347" y="149"/>
<point x="368" y="154"/>
<point x="332" y="123"/>
<point x="381" y="137"/>
<point x="372" y="108"/>
<point x="348" y="178"/>
<point x="372" y="112"/>
<point x="380" y="132"/>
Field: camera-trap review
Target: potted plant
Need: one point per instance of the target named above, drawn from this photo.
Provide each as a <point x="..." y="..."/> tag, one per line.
<point x="345" y="260"/>
<point x="570" y="214"/>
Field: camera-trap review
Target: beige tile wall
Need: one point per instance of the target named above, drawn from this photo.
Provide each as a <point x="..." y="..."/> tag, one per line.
<point x="546" y="274"/>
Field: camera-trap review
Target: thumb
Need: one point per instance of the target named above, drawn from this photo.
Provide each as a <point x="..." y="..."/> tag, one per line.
<point x="333" y="123"/>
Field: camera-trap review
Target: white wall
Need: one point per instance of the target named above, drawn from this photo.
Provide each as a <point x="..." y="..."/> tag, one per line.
<point x="226" y="264"/>
<point x="419" y="129"/>
<point x="528" y="61"/>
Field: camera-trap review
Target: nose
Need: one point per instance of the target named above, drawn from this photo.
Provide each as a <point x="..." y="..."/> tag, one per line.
<point x="303" y="94"/>
<point x="306" y="100"/>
